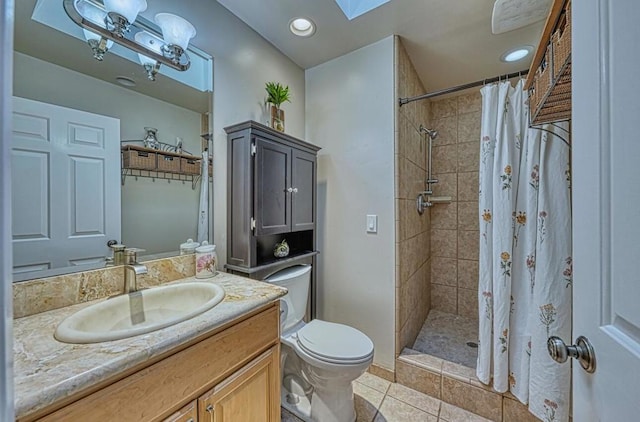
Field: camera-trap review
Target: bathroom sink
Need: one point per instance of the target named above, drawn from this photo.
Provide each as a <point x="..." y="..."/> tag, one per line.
<point x="139" y="312"/>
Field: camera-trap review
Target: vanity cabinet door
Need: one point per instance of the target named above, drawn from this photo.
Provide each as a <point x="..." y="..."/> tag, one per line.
<point x="272" y="186"/>
<point x="189" y="413"/>
<point x="303" y="196"/>
<point x="252" y="394"/>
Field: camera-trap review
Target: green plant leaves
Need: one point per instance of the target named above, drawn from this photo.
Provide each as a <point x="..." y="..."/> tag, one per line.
<point x="277" y="93"/>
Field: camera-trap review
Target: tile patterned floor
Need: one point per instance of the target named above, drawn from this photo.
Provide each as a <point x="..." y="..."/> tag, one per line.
<point x="445" y="336"/>
<point x="378" y="400"/>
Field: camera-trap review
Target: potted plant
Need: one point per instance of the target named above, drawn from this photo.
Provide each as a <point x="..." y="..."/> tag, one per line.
<point x="276" y="95"/>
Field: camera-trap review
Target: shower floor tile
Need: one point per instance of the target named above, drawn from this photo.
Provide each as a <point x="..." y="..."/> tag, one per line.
<point x="446" y="335"/>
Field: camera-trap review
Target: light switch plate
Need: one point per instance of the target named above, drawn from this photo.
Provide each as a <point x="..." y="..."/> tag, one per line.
<point x="372" y="223"/>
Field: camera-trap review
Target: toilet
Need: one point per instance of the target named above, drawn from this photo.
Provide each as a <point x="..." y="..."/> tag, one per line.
<point x="319" y="359"/>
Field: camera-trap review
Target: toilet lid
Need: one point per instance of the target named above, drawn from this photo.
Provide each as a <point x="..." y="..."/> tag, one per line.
<point x="334" y="342"/>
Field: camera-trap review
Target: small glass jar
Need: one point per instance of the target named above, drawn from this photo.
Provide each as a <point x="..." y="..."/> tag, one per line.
<point x="206" y="260"/>
<point x="188" y="247"/>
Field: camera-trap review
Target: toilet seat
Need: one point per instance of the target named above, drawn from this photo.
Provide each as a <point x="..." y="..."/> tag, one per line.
<point x="334" y="343"/>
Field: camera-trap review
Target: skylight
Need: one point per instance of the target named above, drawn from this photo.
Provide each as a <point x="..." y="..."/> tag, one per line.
<point x="354" y="8"/>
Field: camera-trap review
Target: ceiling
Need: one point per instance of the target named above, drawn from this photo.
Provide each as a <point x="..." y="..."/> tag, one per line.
<point x="449" y="41"/>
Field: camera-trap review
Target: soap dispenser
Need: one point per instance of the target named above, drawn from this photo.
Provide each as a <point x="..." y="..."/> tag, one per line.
<point x="206" y="260"/>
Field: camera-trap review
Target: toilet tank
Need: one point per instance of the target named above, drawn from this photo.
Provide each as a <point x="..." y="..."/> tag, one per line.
<point x="296" y="280"/>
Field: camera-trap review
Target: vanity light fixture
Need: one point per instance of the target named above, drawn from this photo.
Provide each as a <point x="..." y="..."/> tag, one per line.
<point x="515" y="54"/>
<point x="122" y="13"/>
<point x="115" y="21"/>
<point x="302" y="27"/>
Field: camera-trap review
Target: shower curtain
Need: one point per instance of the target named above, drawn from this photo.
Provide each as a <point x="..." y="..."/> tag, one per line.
<point x="525" y="253"/>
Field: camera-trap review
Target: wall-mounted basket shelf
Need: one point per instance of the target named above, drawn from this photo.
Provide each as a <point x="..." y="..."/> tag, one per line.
<point x="549" y="80"/>
<point x="140" y="161"/>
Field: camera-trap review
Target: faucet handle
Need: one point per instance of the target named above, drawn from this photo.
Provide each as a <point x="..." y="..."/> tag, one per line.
<point x="131" y="255"/>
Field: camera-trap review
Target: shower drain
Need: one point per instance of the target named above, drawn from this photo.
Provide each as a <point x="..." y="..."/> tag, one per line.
<point x="472" y="344"/>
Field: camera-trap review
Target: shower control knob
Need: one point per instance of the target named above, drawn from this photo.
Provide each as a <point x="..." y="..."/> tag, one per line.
<point x="582" y="350"/>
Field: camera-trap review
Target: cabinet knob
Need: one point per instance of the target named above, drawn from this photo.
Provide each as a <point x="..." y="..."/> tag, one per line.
<point x="295" y="190"/>
<point x="289" y="190"/>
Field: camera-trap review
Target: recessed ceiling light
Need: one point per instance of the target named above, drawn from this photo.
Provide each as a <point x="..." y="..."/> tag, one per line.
<point x="125" y="81"/>
<point x="302" y="27"/>
<point x="515" y="54"/>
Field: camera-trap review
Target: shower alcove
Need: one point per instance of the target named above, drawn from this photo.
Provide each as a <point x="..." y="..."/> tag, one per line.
<point x="437" y="252"/>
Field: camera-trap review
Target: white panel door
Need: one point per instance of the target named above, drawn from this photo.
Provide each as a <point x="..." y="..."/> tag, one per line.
<point x="606" y="207"/>
<point x="65" y="186"/>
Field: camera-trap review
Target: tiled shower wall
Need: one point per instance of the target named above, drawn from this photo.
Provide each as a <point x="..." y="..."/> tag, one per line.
<point x="413" y="267"/>
<point x="454" y="227"/>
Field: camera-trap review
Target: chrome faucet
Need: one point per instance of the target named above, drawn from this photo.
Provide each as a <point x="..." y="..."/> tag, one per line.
<point x="132" y="269"/>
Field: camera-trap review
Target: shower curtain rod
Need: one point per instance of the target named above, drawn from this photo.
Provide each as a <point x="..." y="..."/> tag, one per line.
<point x="428" y="95"/>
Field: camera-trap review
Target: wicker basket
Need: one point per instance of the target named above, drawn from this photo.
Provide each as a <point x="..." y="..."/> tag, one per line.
<point x="561" y="40"/>
<point x="542" y="81"/>
<point x="143" y="160"/>
<point x="168" y="163"/>
<point x="190" y="165"/>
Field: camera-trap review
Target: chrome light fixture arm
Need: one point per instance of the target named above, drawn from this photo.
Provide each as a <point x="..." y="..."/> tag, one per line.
<point x="119" y="23"/>
<point x="117" y="29"/>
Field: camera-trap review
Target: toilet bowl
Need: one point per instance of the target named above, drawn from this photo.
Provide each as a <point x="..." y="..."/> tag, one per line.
<point x="320" y="359"/>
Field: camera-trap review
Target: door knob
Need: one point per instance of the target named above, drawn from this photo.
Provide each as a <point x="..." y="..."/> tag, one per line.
<point x="582" y="350"/>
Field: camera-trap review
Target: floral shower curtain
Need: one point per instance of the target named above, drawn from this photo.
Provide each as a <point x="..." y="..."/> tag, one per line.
<point x="525" y="253"/>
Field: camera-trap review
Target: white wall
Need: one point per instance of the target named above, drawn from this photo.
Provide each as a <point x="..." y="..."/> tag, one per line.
<point x="350" y="114"/>
<point x="243" y="62"/>
<point x="6" y="264"/>
<point x="146" y="205"/>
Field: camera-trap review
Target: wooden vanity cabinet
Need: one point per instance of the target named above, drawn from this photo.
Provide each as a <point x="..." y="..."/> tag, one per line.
<point x="234" y="369"/>
<point x="189" y="413"/>
<point x="246" y="395"/>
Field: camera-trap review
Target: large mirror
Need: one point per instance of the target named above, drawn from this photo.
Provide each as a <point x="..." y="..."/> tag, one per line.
<point x="76" y="183"/>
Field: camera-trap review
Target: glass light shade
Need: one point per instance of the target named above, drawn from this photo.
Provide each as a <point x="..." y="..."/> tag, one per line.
<point x="144" y="60"/>
<point x="149" y="41"/>
<point x="175" y="30"/>
<point x="88" y="35"/>
<point x="127" y="8"/>
<point x="91" y="12"/>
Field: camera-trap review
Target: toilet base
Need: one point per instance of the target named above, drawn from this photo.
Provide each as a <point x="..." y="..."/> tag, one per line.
<point x="301" y="409"/>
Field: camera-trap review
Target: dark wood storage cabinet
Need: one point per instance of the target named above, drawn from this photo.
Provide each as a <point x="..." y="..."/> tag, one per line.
<point x="271" y="196"/>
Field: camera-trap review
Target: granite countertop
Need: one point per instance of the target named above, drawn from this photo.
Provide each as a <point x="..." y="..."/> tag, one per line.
<point x="46" y="370"/>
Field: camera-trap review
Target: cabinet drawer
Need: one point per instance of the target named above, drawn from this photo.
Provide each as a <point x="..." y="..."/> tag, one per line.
<point x="152" y="393"/>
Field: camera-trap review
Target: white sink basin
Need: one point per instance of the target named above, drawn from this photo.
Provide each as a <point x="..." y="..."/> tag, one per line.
<point x="139" y="312"/>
